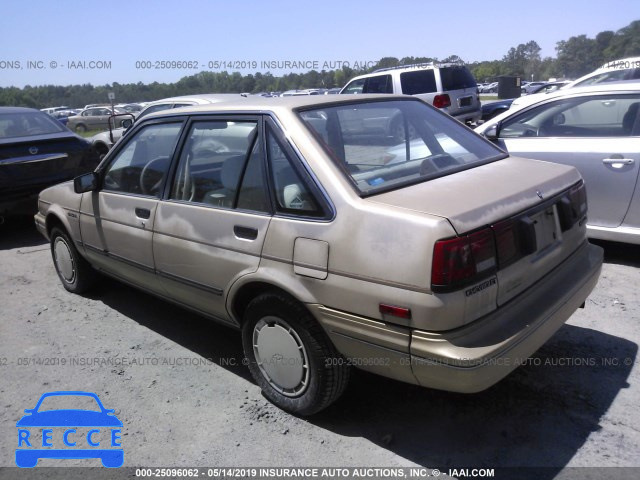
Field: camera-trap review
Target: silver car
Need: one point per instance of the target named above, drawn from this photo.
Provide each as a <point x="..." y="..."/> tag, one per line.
<point x="94" y="118"/>
<point x="595" y="129"/>
<point x="440" y="261"/>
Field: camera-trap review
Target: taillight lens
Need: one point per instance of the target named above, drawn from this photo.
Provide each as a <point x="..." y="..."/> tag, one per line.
<point x="573" y="206"/>
<point x="441" y="101"/>
<point x="469" y="258"/>
<point x="463" y="260"/>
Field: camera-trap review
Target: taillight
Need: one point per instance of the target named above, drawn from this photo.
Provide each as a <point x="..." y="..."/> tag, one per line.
<point x="572" y="207"/>
<point x="441" y="101"/>
<point x="469" y="258"/>
<point x="463" y="260"/>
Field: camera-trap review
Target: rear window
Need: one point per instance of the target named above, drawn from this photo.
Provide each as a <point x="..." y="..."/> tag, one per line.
<point x="420" y="81"/>
<point x="385" y="145"/>
<point x="456" y="78"/>
<point x="27" y="124"/>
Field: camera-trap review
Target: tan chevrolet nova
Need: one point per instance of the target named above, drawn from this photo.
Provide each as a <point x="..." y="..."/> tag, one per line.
<point x="438" y="261"/>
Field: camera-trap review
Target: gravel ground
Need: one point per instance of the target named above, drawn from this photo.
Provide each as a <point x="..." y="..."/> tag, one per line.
<point x="177" y="383"/>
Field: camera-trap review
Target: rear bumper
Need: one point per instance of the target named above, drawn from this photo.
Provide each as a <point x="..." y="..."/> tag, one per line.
<point x="474" y="357"/>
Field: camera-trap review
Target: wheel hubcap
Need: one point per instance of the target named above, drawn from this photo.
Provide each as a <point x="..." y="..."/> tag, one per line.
<point x="281" y="356"/>
<point x="64" y="260"/>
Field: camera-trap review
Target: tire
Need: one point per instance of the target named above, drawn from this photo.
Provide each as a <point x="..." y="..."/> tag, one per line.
<point x="75" y="273"/>
<point x="293" y="361"/>
<point x="81" y="128"/>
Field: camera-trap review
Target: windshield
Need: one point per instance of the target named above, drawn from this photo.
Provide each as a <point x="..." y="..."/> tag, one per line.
<point x="26" y="124"/>
<point x="69" y="402"/>
<point x="383" y="145"/>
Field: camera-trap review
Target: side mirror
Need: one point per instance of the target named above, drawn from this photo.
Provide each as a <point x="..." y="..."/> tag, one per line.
<point x="126" y="123"/>
<point x="86" y="183"/>
<point x="492" y="132"/>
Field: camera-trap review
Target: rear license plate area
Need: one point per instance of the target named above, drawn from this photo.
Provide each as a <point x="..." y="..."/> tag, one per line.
<point x="545" y="226"/>
<point x="464" y="101"/>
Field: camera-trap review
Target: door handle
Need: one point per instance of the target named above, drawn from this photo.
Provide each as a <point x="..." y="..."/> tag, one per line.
<point x="143" y="213"/>
<point x="246" y="233"/>
<point x="614" y="161"/>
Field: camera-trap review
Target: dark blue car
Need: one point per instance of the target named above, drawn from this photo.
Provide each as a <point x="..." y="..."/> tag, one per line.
<point x="493" y="109"/>
<point x="68" y="443"/>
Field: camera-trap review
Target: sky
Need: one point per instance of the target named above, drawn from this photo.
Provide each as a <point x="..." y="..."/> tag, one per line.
<point x="63" y="42"/>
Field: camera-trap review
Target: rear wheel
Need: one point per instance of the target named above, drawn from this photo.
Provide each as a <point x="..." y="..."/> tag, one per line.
<point x="74" y="271"/>
<point x="290" y="356"/>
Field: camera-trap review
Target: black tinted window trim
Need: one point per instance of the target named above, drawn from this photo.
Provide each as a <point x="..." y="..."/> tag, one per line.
<point x="113" y="153"/>
<point x="182" y="140"/>
<point x="299" y="163"/>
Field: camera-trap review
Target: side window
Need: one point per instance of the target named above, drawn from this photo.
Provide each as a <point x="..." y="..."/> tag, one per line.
<point x="220" y="160"/>
<point x="600" y="116"/>
<point x="355" y="87"/>
<point x="141" y="166"/>
<point x="378" y="84"/>
<point x="292" y="194"/>
<point x="419" y="81"/>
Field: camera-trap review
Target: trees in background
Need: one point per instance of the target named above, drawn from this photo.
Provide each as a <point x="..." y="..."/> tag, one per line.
<point x="575" y="57"/>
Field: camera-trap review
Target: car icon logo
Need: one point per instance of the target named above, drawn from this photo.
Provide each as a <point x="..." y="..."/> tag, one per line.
<point x="33" y="150"/>
<point x="91" y="431"/>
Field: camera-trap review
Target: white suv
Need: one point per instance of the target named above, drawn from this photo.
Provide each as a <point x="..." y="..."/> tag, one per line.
<point x="449" y="87"/>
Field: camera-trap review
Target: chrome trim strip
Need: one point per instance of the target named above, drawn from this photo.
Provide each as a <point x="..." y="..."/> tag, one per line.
<point x="190" y="283"/>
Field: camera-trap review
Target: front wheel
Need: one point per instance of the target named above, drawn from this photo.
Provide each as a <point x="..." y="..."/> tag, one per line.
<point x="75" y="273"/>
<point x="290" y="356"/>
<point x="81" y="128"/>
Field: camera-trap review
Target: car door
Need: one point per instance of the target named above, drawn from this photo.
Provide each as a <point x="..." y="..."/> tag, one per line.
<point x="102" y="119"/>
<point x="117" y="220"/>
<point x="598" y="134"/>
<point x="90" y="117"/>
<point x="210" y="228"/>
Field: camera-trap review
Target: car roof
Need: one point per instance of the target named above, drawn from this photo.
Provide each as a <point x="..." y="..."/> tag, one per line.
<point x="201" y="98"/>
<point x="275" y="104"/>
<point x="614" y="64"/>
<point x="18" y="110"/>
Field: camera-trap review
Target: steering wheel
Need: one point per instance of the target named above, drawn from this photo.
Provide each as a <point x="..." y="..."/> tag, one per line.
<point x="153" y="176"/>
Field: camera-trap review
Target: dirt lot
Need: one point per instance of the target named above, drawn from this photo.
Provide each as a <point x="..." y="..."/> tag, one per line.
<point x="575" y="405"/>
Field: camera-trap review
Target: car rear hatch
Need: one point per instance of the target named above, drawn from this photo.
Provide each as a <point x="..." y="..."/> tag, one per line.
<point x="458" y="82"/>
<point x="28" y="164"/>
<point x="515" y="221"/>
